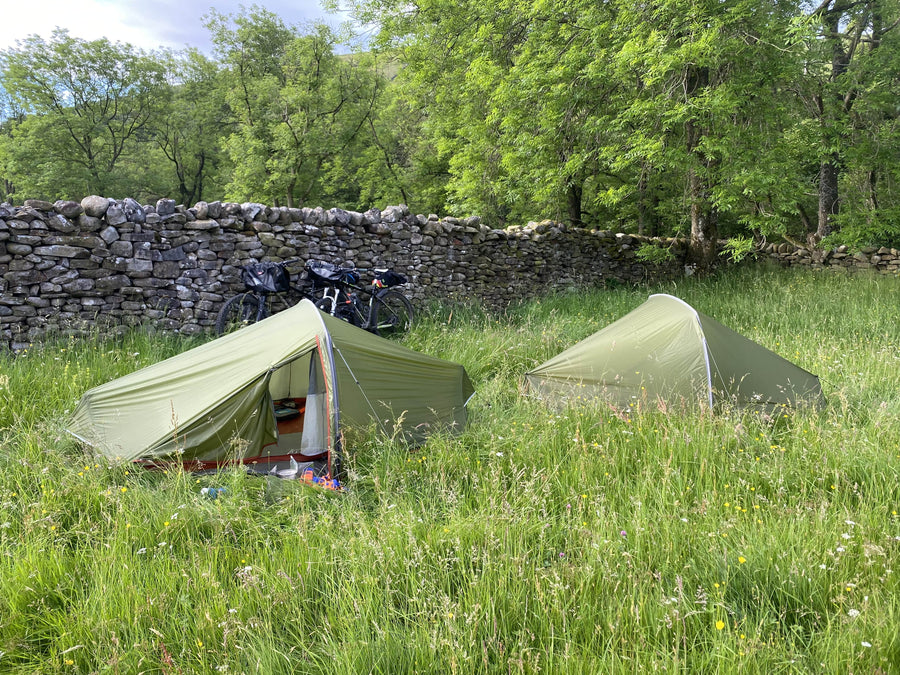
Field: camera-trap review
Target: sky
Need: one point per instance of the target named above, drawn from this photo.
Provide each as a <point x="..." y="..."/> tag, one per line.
<point x="146" y="24"/>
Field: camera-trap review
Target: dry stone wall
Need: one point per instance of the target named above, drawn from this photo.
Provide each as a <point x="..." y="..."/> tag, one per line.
<point x="103" y="263"/>
<point x="873" y="258"/>
<point x="70" y="267"/>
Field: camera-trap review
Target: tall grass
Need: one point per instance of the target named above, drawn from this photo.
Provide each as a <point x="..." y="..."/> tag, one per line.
<point x="538" y="540"/>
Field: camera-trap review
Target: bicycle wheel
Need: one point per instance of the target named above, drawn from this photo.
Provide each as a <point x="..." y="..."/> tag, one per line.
<point x="393" y="313"/>
<point x="239" y="311"/>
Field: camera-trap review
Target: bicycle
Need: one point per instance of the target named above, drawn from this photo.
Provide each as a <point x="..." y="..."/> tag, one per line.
<point x="269" y="290"/>
<point x="385" y="312"/>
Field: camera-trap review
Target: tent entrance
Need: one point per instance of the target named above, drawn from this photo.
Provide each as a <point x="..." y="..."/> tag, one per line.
<point x="298" y="404"/>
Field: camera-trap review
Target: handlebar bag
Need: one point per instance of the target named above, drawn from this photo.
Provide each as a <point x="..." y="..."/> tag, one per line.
<point x="265" y="277"/>
<point x="389" y="278"/>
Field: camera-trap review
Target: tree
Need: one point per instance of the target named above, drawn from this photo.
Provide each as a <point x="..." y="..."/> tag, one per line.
<point x="10" y="116"/>
<point x="576" y="108"/>
<point x="87" y="102"/>
<point x="844" y="68"/>
<point x="705" y="80"/>
<point x="190" y="130"/>
<point x="297" y="104"/>
<point x="394" y="160"/>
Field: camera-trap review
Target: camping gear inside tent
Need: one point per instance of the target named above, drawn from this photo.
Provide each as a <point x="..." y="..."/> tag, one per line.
<point x="667" y="351"/>
<point x="275" y="393"/>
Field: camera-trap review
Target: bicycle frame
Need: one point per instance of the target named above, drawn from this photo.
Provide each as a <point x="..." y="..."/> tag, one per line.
<point x="377" y="308"/>
<point x="344" y="299"/>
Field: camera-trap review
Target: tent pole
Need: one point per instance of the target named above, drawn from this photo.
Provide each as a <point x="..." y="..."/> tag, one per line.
<point x="363" y="391"/>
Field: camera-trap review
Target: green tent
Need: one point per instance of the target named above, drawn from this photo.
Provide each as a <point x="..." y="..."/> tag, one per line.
<point x="666" y="351"/>
<point x="277" y="390"/>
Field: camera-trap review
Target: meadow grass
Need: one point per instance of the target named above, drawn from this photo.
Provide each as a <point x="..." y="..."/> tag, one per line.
<point x="578" y="540"/>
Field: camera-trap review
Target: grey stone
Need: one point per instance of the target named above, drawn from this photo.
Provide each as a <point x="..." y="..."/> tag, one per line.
<point x="60" y="223"/>
<point x="269" y="239"/>
<point x="115" y="215"/>
<point x="111" y="283"/>
<point x="142" y="250"/>
<point x="137" y="266"/>
<point x="29" y="215"/>
<point x="62" y="251"/>
<point x="201" y="210"/>
<point x="78" y="286"/>
<point x="109" y="234"/>
<point x="173" y="219"/>
<point x="165" y="207"/>
<point x="124" y="249"/>
<point x="88" y="223"/>
<point x="250" y="210"/>
<point x="392" y="214"/>
<point x="316" y="217"/>
<point x="379" y="228"/>
<point x="371" y="217"/>
<point x="167" y="270"/>
<point x="39" y="204"/>
<point x="68" y="208"/>
<point x="202" y="225"/>
<point x="95" y="206"/>
<point x="174" y="254"/>
<point x="339" y="216"/>
<point x="134" y="212"/>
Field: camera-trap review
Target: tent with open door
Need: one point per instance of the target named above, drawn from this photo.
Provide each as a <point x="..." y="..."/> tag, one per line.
<point x="277" y="390"/>
<point x="666" y="351"/>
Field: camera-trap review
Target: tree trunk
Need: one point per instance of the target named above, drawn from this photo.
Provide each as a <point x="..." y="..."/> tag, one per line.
<point x="289" y="202"/>
<point x="832" y="109"/>
<point x="704" y="218"/>
<point x="642" y="210"/>
<point x="573" y="204"/>
<point x="704" y="225"/>
<point x="829" y="200"/>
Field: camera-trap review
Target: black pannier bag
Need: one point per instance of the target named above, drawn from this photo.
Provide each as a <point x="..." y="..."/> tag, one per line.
<point x="325" y="274"/>
<point x="388" y="278"/>
<point x="265" y="277"/>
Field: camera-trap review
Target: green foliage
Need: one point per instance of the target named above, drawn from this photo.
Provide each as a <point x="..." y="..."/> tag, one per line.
<point x="662" y="113"/>
<point x="654" y="254"/>
<point x="188" y="134"/>
<point x="573" y="540"/>
<point x="738" y="248"/>
<point x="298" y="106"/>
<point x="88" y="103"/>
<point x="714" y="119"/>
